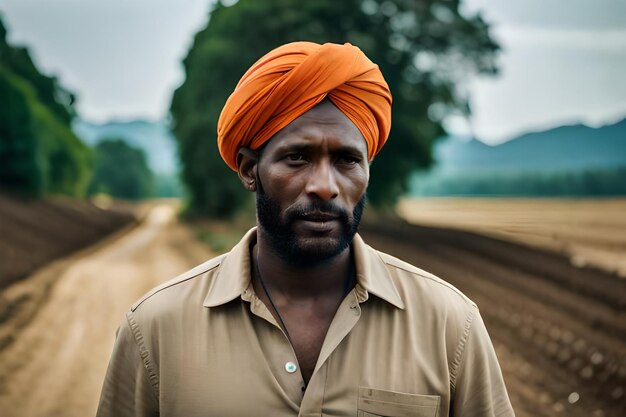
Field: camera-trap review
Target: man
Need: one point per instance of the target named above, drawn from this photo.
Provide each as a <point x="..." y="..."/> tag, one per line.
<point x="302" y="318"/>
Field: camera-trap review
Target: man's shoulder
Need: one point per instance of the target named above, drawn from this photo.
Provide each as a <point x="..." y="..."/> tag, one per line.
<point x="168" y="292"/>
<point x="415" y="282"/>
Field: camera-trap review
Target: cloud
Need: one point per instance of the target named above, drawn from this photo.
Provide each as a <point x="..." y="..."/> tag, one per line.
<point x="605" y="40"/>
<point x="550" y="14"/>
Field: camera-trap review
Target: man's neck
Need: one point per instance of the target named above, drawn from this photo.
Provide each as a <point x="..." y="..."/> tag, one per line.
<point x="302" y="282"/>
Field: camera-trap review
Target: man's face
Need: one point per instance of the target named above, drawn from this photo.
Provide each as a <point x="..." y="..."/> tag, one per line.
<point x="312" y="177"/>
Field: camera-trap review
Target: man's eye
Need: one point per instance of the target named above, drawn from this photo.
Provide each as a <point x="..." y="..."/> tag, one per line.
<point x="349" y="160"/>
<point x="295" y="157"/>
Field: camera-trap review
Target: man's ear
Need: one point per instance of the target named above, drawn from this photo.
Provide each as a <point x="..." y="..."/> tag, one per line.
<point x="247" y="161"/>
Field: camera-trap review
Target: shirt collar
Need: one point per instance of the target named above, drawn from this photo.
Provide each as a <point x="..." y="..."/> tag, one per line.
<point x="372" y="275"/>
<point x="233" y="276"/>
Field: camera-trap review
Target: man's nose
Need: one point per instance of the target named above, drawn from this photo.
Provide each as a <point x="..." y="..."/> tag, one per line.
<point x="322" y="182"/>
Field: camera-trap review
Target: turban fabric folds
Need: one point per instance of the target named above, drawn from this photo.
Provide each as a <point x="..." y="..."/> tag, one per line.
<point x="292" y="79"/>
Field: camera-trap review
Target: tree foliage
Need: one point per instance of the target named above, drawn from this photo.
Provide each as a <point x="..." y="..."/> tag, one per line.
<point x="423" y="47"/>
<point x="121" y="171"/>
<point x="39" y="153"/>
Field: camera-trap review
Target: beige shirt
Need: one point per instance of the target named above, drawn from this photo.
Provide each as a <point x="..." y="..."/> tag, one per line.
<point x="402" y="343"/>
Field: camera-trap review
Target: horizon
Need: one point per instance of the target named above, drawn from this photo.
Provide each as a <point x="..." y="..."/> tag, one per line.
<point x="448" y="135"/>
<point x="579" y="123"/>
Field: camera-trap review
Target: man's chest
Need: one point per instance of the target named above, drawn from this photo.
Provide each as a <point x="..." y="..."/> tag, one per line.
<point x="306" y="333"/>
<point x="247" y="366"/>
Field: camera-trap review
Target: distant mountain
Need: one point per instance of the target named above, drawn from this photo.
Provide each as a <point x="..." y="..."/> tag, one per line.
<point x="154" y="138"/>
<point x="561" y="148"/>
<point x="565" y="161"/>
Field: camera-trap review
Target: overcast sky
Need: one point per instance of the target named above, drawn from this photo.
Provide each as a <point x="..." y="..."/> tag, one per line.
<point x="563" y="61"/>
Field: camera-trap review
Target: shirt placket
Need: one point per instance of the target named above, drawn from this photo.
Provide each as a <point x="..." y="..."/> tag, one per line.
<point x="280" y="353"/>
<point x="277" y="349"/>
<point x="345" y="319"/>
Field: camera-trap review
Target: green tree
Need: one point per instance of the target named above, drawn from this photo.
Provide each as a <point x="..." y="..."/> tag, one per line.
<point x="39" y="153"/>
<point x="18" y="158"/>
<point x="424" y="48"/>
<point x="47" y="89"/>
<point x="121" y="171"/>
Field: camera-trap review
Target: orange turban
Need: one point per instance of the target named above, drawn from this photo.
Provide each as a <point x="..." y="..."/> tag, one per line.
<point x="292" y="79"/>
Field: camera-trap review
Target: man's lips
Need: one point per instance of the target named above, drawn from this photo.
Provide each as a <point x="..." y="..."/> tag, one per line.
<point x="319" y="217"/>
<point x="319" y="222"/>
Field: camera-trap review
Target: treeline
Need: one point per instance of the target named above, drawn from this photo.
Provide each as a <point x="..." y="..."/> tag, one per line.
<point x="39" y="152"/>
<point x="598" y="182"/>
<point x="121" y="171"/>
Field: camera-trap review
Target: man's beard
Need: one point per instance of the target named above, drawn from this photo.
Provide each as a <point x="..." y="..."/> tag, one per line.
<point x="284" y="241"/>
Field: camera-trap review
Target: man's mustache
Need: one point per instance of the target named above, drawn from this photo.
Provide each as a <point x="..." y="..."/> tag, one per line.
<point x="318" y="210"/>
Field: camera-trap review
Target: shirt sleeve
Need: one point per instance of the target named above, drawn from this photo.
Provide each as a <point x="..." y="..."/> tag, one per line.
<point x="479" y="389"/>
<point x="127" y="390"/>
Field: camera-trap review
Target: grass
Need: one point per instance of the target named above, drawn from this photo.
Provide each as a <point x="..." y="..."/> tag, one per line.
<point x="222" y="235"/>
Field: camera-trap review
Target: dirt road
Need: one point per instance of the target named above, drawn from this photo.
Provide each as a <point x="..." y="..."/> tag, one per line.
<point x="56" y="364"/>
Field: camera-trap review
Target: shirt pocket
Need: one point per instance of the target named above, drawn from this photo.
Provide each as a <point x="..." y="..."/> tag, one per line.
<point x="376" y="402"/>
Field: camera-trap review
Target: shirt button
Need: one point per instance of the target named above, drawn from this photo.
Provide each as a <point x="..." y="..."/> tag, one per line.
<point x="290" y="367"/>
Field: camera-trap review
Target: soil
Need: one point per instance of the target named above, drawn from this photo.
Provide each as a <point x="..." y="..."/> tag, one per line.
<point x="587" y="231"/>
<point x="559" y="330"/>
<point x="35" y="232"/>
